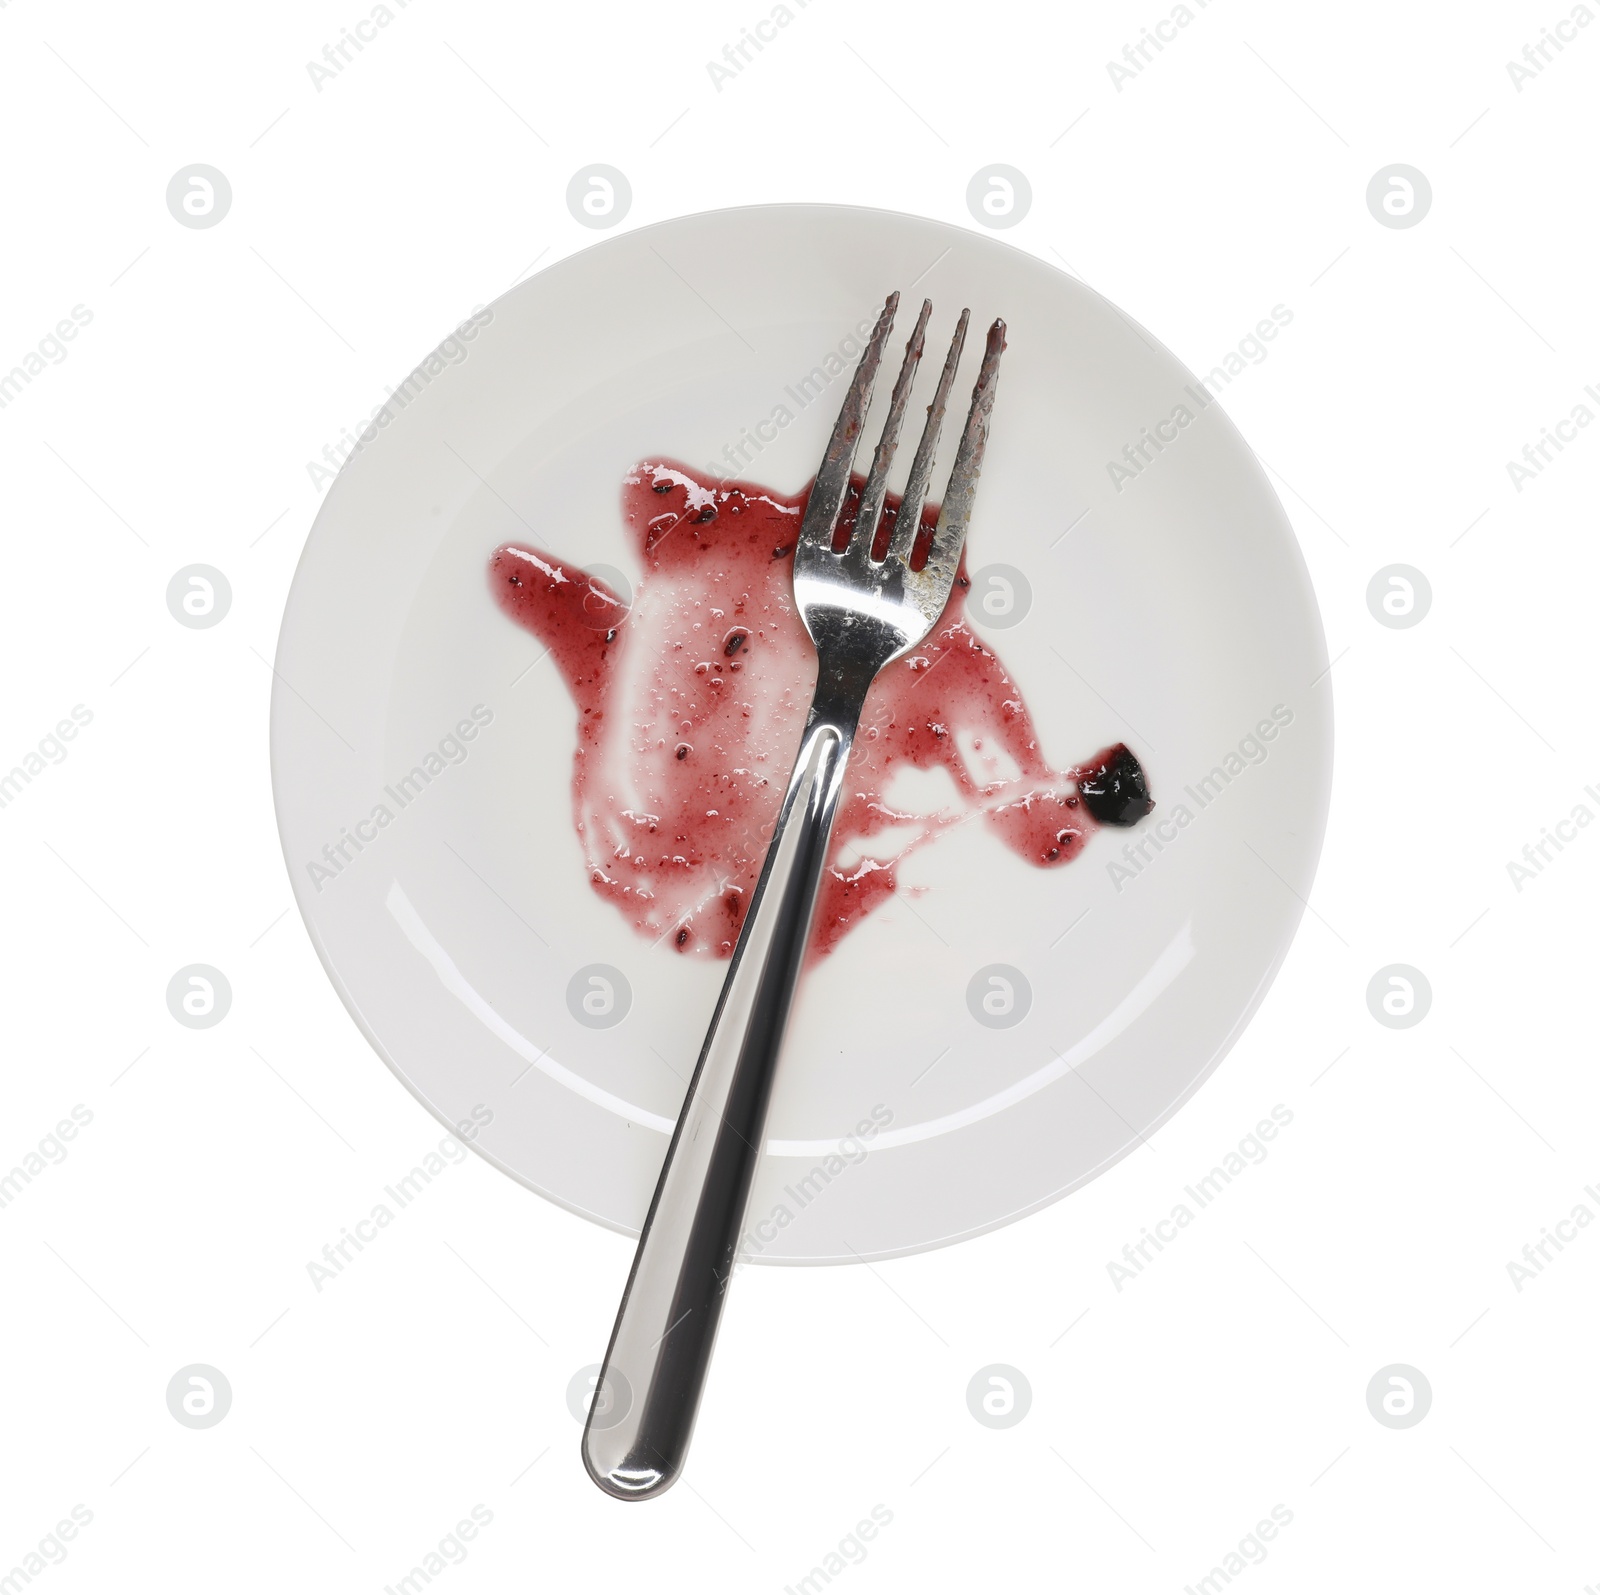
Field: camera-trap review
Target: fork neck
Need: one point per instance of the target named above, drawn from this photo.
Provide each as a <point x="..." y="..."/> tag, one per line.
<point x="842" y="685"/>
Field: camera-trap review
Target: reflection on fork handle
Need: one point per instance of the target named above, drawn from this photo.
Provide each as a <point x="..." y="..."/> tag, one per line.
<point x="644" y="1406"/>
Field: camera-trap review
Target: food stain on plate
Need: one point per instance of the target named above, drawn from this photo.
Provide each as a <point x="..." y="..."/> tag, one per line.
<point x="692" y="701"/>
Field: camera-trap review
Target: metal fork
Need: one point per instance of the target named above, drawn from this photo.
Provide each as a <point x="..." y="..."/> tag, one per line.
<point x="862" y="615"/>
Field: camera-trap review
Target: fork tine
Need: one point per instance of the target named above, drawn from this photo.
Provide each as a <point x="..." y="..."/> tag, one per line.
<point x="956" y="511"/>
<point x="833" y="476"/>
<point x="877" y="484"/>
<point x="911" y="501"/>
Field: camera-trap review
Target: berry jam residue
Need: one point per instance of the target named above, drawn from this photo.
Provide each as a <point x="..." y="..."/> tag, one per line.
<point x="692" y="702"/>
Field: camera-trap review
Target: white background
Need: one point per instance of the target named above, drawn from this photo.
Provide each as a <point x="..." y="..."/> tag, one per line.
<point x="1167" y="1419"/>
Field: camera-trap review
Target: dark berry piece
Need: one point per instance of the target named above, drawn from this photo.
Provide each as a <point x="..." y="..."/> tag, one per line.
<point x="1115" y="790"/>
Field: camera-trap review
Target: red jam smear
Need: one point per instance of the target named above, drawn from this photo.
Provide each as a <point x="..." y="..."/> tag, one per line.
<point x="692" y="702"/>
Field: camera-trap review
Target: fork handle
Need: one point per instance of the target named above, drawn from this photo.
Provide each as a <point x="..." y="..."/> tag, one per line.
<point x="644" y="1406"/>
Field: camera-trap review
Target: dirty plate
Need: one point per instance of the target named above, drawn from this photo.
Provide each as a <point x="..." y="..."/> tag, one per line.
<point x="993" y="1034"/>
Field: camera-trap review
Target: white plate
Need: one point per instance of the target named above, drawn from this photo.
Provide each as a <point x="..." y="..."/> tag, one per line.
<point x="1170" y="609"/>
